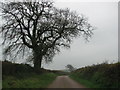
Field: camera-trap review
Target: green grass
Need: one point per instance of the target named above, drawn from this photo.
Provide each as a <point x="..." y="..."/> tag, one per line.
<point x="98" y="76"/>
<point x="91" y="83"/>
<point x="86" y="83"/>
<point x="31" y="80"/>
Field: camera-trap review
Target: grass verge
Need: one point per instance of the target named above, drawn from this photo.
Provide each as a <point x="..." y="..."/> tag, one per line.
<point x="98" y="76"/>
<point x="86" y="83"/>
<point x="29" y="80"/>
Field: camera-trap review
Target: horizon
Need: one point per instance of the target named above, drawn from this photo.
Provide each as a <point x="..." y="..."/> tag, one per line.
<point x="103" y="45"/>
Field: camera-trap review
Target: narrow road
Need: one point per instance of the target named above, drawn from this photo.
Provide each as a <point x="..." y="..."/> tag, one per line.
<point x="65" y="82"/>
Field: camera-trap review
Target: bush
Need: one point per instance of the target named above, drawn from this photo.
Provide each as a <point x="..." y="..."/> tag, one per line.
<point x="103" y="75"/>
<point x="9" y="68"/>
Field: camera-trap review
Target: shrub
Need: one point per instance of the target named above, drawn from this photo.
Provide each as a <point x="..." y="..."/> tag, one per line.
<point x="105" y="75"/>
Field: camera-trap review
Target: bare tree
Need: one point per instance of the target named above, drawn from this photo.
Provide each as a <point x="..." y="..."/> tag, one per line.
<point x="40" y="29"/>
<point x="70" y="67"/>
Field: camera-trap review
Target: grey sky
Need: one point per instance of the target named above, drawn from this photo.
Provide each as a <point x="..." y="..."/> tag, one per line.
<point x="104" y="43"/>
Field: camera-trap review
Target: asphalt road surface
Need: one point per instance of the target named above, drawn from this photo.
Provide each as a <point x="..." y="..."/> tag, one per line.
<point x="65" y="82"/>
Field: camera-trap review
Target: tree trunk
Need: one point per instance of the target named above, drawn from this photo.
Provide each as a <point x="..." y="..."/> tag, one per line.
<point x="37" y="61"/>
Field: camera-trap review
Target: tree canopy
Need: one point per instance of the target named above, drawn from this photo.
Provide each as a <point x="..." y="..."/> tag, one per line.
<point x="70" y="67"/>
<point x="40" y="29"/>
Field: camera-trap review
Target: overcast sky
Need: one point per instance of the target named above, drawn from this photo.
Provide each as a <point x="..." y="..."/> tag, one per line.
<point x="104" y="43"/>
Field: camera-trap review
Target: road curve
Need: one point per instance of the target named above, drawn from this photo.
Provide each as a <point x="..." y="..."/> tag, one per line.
<point x="65" y="82"/>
